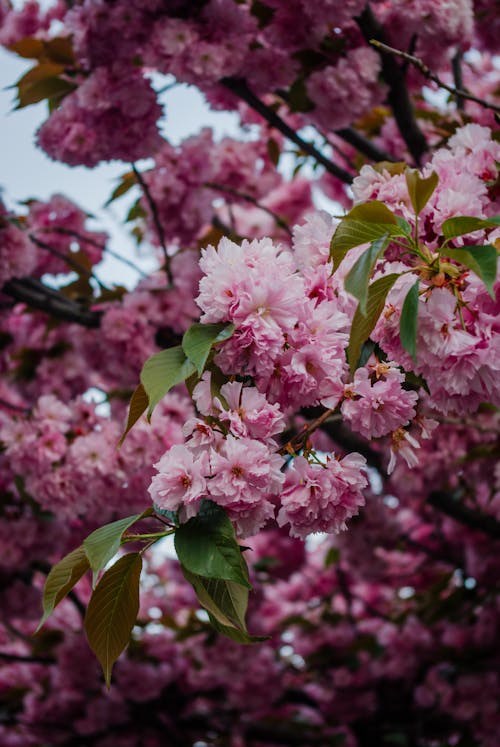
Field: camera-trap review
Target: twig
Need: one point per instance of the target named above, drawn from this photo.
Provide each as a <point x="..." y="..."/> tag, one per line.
<point x="10" y="406"/>
<point x="156" y="220"/>
<point x="459" y="93"/>
<point x="27" y="659"/>
<point x="248" y="198"/>
<point x="102" y="247"/>
<point x="456" y="66"/>
<point x="239" y="87"/>
<point x="37" y="295"/>
<point x="298" y="441"/>
<point x="363" y="144"/>
<point x="398" y="96"/>
<point x="66" y="258"/>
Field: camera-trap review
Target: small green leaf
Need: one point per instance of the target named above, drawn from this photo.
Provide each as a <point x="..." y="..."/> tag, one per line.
<point x="227" y="601"/>
<point x="112" y="611"/>
<point x="364" y="223"/>
<point x="420" y="189"/>
<point x="363" y="324"/>
<point x="482" y="260"/>
<point x="29" y="47"/>
<point x="103" y="544"/>
<point x="47" y="88"/>
<point x="356" y="281"/>
<point x="163" y="371"/>
<point x="61" y="579"/>
<point x="206" y="546"/>
<point x="199" y="339"/>
<point x="464" y="224"/>
<point x="138" y="405"/>
<point x="408" y="322"/>
<point x="127" y="181"/>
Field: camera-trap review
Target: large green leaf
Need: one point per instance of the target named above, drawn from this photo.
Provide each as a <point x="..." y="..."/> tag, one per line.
<point x="464" y="224"/>
<point x="363" y="324"/>
<point x="408" y="321"/>
<point x="199" y="339"/>
<point x="61" y="579"/>
<point x="206" y="546"/>
<point x="482" y="260"/>
<point x="163" y="371"/>
<point x="103" y="544"/>
<point x="420" y="189"/>
<point x="227" y="601"/>
<point x="112" y="611"/>
<point x="138" y="405"/>
<point x="357" y="279"/>
<point x="364" y="223"/>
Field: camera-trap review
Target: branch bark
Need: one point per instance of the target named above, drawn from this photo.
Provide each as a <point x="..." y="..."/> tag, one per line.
<point x="34" y="293"/>
<point x="398" y="97"/>
<point x="239" y="87"/>
<point x="445" y="503"/>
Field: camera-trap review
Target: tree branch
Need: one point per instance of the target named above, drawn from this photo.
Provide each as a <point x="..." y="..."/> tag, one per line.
<point x="398" y="97"/>
<point x="37" y="295"/>
<point x="427" y="73"/>
<point x="239" y="87"/>
<point x="156" y="220"/>
<point x="363" y="144"/>
<point x="248" y="198"/>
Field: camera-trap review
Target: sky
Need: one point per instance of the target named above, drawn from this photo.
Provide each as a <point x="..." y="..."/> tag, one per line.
<point x="26" y="172"/>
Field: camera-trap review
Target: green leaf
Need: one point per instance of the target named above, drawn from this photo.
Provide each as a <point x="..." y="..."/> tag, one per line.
<point x="163" y="371"/>
<point x="236" y="635"/>
<point x="464" y="224"/>
<point x="363" y="324"/>
<point x="138" y="405"/>
<point x="127" y="181"/>
<point x="61" y="579"/>
<point x="112" y="611"/>
<point x="46" y="88"/>
<point x="103" y="544"/>
<point x="408" y="321"/>
<point x="482" y="260"/>
<point x="227" y="601"/>
<point x="420" y="189"/>
<point x="199" y="339"/>
<point x="206" y="546"/>
<point x="357" y="279"/>
<point x="364" y="223"/>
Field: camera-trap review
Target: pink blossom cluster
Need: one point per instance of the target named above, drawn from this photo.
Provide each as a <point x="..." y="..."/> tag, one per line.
<point x="97" y="122"/>
<point x="17" y="253"/>
<point x="187" y="179"/>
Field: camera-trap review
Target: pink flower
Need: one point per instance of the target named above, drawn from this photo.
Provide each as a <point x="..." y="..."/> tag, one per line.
<point x="320" y="498"/>
<point x="180" y="479"/>
<point x="375" y="408"/>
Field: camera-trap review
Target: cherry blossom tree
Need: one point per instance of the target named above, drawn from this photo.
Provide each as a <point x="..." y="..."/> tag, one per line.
<point x="304" y="394"/>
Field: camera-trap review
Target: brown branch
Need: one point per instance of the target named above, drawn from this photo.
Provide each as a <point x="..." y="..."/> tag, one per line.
<point x="156" y="220"/>
<point x="456" y="66"/>
<point x="27" y="659"/>
<point x="73" y="263"/>
<point x="102" y="247"/>
<point x="427" y="73"/>
<point x="34" y="293"/>
<point x="10" y="406"/>
<point x="363" y="144"/>
<point x="298" y="441"/>
<point x="445" y="503"/>
<point x="398" y="96"/>
<point x="239" y="87"/>
<point x="248" y="198"/>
